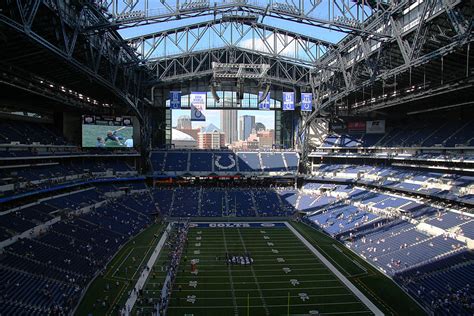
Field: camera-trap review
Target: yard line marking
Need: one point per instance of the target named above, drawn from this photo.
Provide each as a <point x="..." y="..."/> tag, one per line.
<point x="277" y="305"/>
<point x="183" y="277"/>
<point x="121" y="262"/>
<point x="257" y="252"/>
<point x="237" y="270"/>
<point x="268" y="282"/>
<point x="277" y="296"/>
<point x="292" y="246"/>
<point x="229" y="272"/>
<point x="216" y="273"/>
<point x="345" y="313"/>
<point x="310" y="264"/>
<point x="364" y="312"/>
<point x="255" y="277"/>
<point x="336" y="272"/>
<point x="262" y="242"/>
<point x="122" y="287"/>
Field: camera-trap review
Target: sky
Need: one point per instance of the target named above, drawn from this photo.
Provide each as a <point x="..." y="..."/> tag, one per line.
<point x="174" y="43"/>
<point x="214" y="117"/>
<point x="316" y="32"/>
<point x="323" y="11"/>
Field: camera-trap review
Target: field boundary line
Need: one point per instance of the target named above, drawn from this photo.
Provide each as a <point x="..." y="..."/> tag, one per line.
<point x="119" y="265"/>
<point x="365" y="272"/>
<point x="374" y="296"/>
<point x="144" y="275"/>
<point x="122" y="288"/>
<point x="337" y="273"/>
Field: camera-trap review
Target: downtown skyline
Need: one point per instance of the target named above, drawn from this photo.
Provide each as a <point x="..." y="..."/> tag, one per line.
<point x="267" y="118"/>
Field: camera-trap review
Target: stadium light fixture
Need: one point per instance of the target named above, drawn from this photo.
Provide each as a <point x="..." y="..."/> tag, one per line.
<point x="213" y="86"/>
<point x="239" y="71"/>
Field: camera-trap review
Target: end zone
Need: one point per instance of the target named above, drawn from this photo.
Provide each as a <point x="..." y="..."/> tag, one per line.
<point x="237" y="224"/>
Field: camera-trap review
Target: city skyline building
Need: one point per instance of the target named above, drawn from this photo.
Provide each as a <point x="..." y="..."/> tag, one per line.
<point x="211" y="137"/>
<point x="229" y="125"/>
<point x="184" y="122"/>
<point x="246" y="126"/>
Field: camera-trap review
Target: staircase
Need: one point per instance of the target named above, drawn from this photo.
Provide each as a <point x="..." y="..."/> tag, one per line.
<point x="170" y="211"/>
<point x="455" y="133"/>
<point x="237" y="164"/>
<point x="431" y="134"/>
<point x="297" y="202"/>
<point x="284" y="161"/>
<point x="164" y="162"/>
<point x="447" y="269"/>
<point x="227" y="206"/>
<point x="188" y="162"/>
<point x="261" y="162"/>
<point x="200" y="201"/>
<point x="282" y="205"/>
<point x="213" y="164"/>
<point x="386" y="137"/>
<point x="254" y="202"/>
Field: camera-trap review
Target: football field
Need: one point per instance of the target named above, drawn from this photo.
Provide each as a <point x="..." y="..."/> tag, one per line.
<point x="285" y="277"/>
<point x="91" y="132"/>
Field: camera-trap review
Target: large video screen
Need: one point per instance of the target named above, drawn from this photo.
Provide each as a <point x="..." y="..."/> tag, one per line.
<point x="234" y="129"/>
<point x="107" y="131"/>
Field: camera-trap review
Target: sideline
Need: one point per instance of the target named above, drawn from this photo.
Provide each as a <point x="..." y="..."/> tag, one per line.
<point x="145" y="273"/>
<point x="336" y="272"/>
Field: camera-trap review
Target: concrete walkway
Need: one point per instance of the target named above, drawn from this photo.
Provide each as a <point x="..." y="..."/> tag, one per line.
<point x="145" y="273"/>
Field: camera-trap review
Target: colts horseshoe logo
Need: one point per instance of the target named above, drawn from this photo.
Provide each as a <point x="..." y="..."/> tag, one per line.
<point x="230" y="166"/>
<point x="197" y="113"/>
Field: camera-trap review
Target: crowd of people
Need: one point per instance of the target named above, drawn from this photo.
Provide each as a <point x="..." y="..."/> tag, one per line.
<point x="177" y="245"/>
<point x="450" y="299"/>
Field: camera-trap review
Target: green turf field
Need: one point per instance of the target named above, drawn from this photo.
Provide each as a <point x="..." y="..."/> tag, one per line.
<point x="120" y="276"/>
<point x="260" y="289"/>
<point x="91" y="132"/>
<point x="283" y="269"/>
<point x="380" y="289"/>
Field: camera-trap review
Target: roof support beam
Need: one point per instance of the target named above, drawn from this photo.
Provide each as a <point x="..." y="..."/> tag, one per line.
<point x="199" y="64"/>
<point x="348" y="17"/>
<point x="104" y="51"/>
<point x="249" y="35"/>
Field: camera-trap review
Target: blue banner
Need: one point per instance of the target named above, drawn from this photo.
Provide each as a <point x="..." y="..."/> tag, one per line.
<point x="265" y="104"/>
<point x="175" y="100"/>
<point x="197" y="115"/>
<point x="238" y="225"/>
<point x="307" y="102"/>
<point x="197" y="101"/>
<point x="288" y="101"/>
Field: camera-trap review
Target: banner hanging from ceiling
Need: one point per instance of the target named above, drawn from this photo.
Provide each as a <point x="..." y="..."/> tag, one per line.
<point x="265" y="104"/>
<point x="306" y="102"/>
<point x="288" y="101"/>
<point x="197" y="102"/>
<point x="175" y="100"/>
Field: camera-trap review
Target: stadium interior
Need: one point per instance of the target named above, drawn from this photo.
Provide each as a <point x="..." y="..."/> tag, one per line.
<point x="325" y="164"/>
